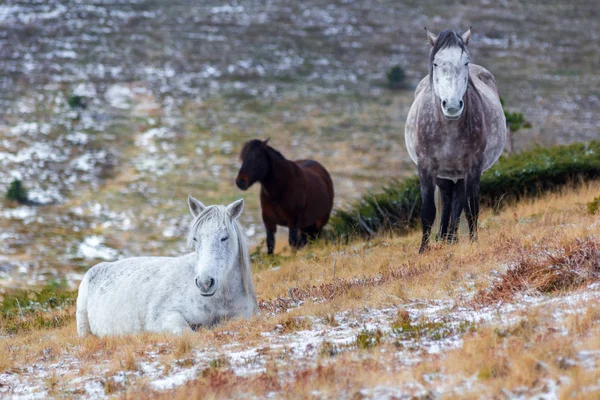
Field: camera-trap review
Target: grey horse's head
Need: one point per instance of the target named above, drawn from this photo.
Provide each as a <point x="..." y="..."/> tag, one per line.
<point x="449" y="70"/>
<point x="218" y="243"/>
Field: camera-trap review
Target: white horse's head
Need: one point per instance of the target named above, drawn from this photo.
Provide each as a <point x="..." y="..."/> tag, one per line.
<point x="449" y="70"/>
<point x="220" y="247"/>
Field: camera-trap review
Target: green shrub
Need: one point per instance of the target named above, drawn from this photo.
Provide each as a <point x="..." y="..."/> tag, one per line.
<point x="514" y="120"/>
<point x="397" y="206"/>
<point x="76" y="102"/>
<point x="17" y="192"/>
<point x="395" y="77"/>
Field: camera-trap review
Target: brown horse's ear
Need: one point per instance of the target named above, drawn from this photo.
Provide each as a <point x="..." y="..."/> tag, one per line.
<point x="466" y="36"/>
<point x="265" y="142"/>
<point x="431" y="37"/>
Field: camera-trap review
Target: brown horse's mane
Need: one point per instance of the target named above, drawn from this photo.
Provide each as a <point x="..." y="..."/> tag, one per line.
<point x="254" y="143"/>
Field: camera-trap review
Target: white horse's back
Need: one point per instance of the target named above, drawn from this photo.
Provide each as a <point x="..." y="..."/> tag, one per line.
<point x="125" y="296"/>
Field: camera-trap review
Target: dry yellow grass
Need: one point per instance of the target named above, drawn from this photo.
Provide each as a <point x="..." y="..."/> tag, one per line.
<point x="388" y="272"/>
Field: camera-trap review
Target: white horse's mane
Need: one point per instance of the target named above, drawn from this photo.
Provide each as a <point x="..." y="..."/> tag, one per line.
<point x="220" y="214"/>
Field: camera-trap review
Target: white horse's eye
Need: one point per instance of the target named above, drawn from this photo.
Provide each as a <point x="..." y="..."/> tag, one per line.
<point x="434" y="64"/>
<point x="467" y="63"/>
<point x="195" y="240"/>
<point x="224" y="238"/>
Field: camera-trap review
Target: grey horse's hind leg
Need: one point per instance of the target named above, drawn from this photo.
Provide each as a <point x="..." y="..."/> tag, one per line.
<point x="427" y="205"/>
<point x="446" y="187"/>
<point x="472" y="203"/>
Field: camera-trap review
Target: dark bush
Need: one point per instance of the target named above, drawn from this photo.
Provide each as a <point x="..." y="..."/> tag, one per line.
<point x="76" y="102"/>
<point x="530" y="173"/>
<point x="395" y="77"/>
<point x="17" y="192"/>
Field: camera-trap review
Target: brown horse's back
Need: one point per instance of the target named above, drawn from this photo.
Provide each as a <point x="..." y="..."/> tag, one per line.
<point x="318" y="189"/>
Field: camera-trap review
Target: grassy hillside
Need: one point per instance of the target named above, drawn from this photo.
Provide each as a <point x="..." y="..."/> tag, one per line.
<point x="516" y="312"/>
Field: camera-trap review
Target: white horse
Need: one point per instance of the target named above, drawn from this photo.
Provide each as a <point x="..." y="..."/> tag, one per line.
<point x="174" y="294"/>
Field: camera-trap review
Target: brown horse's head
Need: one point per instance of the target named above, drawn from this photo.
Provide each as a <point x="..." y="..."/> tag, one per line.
<point x="255" y="163"/>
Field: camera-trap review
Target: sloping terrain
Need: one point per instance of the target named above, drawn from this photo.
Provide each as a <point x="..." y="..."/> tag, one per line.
<point x="513" y="315"/>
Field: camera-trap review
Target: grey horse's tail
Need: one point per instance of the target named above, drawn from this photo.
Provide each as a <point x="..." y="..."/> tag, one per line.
<point x="83" y="322"/>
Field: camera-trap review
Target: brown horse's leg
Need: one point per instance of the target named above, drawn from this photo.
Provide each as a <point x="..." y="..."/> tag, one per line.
<point x="446" y="187"/>
<point x="294" y="238"/>
<point x="458" y="204"/>
<point x="271" y="228"/>
<point x="271" y="240"/>
<point x="309" y="234"/>
<point x="427" y="205"/>
<point x="472" y="203"/>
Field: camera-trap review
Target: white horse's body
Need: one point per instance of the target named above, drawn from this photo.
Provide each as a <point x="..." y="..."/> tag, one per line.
<point x="173" y="294"/>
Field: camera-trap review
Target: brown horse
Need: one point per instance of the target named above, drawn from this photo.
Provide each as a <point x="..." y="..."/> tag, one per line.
<point x="297" y="194"/>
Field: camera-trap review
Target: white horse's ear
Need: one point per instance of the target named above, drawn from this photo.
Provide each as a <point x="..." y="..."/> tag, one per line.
<point x="196" y="207"/>
<point x="431" y="36"/>
<point x="466" y="36"/>
<point x="235" y="209"/>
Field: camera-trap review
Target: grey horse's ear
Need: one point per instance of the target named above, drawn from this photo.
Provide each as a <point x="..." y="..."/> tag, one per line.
<point x="196" y="207"/>
<point x="235" y="209"/>
<point x="466" y="36"/>
<point x="431" y="36"/>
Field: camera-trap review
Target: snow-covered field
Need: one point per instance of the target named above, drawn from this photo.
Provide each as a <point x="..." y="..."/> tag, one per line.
<point x="444" y="324"/>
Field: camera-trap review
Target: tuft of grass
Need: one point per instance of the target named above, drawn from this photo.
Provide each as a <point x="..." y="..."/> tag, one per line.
<point x="405" y="329"/>
<point x="17" y="192"/>
<point x="45" y="308"/>
<point x="593" y="206"/>
<point x="293" y="324"/>
<point x="397" y="206"/>
<point x="367" y="339"/>
<point x="578" y="264"/>
<point x="329" y="349"/>
<point x="111" y="386"/>
<point x="184" y="346"/>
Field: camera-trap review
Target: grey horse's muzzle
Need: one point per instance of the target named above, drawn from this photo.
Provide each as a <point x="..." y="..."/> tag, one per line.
<point x="452" y="110"/>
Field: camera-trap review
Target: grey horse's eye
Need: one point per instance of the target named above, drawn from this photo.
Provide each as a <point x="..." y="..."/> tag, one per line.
<point x="467" y="63"/>
<point x="224" y="238"/>
<point x="434" y="64"/>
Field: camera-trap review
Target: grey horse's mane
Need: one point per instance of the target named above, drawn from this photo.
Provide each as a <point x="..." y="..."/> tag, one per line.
<point x="220" y="213"/>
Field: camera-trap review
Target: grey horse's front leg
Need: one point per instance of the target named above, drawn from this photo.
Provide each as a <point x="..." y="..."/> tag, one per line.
<point x="427" y="205"/>
<point x="472" y="203"/>
<point x="446" y="187"/>
<point x="458" y="204"/>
